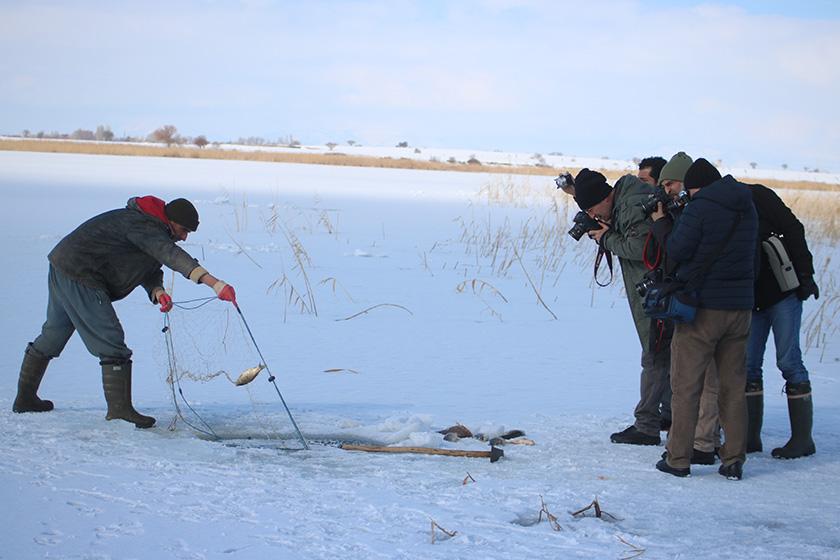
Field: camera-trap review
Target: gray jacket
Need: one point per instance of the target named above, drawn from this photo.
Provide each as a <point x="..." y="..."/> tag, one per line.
<point x="120" y="250"/>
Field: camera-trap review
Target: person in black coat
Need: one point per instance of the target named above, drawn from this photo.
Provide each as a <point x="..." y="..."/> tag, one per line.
<point x="720" y="214"/>
<point x="780" y="310"/>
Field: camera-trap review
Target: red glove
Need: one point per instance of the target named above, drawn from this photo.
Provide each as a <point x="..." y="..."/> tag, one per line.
<point x="165" y="302"/>
<point x="225" y="292"/>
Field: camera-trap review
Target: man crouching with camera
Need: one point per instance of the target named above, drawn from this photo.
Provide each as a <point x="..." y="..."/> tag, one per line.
<point x="623" y="231"/>
<point x="714" y="241"/>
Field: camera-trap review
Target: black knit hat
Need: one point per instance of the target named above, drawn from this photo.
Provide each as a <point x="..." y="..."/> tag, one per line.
<point x="700" y="174"/>
<point x="590" y="188"/>
<point x="182" y="212"/>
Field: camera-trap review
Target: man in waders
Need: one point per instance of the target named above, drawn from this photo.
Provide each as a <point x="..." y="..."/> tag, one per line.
<point x="100" y="262"/>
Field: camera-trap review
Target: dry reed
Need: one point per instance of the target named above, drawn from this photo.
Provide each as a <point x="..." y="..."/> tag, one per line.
<point x="266" y="155"/>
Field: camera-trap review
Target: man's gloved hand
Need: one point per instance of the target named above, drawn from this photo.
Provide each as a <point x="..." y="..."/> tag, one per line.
<point x="165" y="302"/>
<point x="225" y="292"/>
<point x="807" y="288"/>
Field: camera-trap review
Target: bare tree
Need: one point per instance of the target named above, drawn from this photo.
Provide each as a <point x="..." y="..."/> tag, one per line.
<point x="167" y="134"/>
<point x="81" y="134"/>
<point x="331" y="145"/>
<point x="104" y="133"/>
<point x="201" y="141"/>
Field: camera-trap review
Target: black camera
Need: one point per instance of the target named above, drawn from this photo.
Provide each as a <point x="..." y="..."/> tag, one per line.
<point x="678" y="202"/>
<point x="564" y="181"/>
<point x="653" y="276"/>
<point x="583" y="222"/>
<point x="659" y="195"/>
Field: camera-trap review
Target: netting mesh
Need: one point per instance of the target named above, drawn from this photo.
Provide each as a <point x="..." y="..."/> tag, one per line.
<point x="208" y="349"/>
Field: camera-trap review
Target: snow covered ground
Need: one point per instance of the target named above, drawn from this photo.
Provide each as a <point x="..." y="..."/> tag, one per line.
<point x="425" y="317"/>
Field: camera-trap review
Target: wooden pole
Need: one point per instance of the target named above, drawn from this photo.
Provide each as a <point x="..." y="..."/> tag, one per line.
<point x="494" y="454"/>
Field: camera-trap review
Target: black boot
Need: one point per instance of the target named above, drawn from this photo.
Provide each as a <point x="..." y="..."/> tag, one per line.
<point x="801" y="412"/>
<point x="31" y="373"/>
<point x="755" y="415"/>
<point x="116" y="380"/>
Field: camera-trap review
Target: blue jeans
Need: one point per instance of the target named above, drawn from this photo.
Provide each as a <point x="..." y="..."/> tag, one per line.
<point x="785" y="319"/>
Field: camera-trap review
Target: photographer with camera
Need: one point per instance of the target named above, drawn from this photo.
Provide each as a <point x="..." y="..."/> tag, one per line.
<point x="714" y="241"/>
<point x="650" y="169"/>
<point x="613" y="218"/>
<point x="707" y="435"/>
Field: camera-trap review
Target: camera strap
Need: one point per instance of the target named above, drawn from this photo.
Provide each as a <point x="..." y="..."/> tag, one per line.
<point x="645" y="259"/>
<point x="601" y="253"/>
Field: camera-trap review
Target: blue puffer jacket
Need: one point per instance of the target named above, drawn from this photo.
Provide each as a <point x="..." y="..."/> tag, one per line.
<point x="702" y="226"/>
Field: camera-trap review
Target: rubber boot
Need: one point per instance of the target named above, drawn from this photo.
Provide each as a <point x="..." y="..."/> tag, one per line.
<point x="755" y="415"/>
<point x="116" y="380"/>
<point x="801" y="412"/>
<point x="31" y="373"/>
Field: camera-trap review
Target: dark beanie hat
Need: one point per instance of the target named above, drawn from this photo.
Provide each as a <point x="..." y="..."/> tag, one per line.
<point x="182" y="212"/>
<point x="590" y="188"/>
<point x="700" y="174"/>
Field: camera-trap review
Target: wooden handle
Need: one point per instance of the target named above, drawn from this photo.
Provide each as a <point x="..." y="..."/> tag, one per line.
<point x="493" y="454"/>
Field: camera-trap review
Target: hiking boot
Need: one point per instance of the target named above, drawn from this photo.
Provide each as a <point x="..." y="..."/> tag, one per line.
<point x="732" y="472"/>
<point x="801" y="412"/>
<point x="634" y="437"/>
<point x="31" y="373"/>
<point x="663" y="466"/>
<point x="116" y="381"/>
<point x="664" y="424"/>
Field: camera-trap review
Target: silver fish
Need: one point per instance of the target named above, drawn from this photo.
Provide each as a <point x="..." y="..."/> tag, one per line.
<point x="249" y="375"/>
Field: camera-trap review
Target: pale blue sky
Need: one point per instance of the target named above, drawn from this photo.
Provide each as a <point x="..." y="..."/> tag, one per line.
<point x="742" y="82"/>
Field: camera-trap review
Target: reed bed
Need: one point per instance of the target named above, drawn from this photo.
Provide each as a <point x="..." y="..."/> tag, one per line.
<point x="539" y="244"/>
<point x="267" y="155"/>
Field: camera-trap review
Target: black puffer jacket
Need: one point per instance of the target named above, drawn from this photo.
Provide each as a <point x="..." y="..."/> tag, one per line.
<point x="775" y="217"/>
<point x="702" y="226"/>
<point x="120" y="250"/>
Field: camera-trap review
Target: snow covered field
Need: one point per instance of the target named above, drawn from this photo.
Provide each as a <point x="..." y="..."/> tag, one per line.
<point x="419" y="325"/>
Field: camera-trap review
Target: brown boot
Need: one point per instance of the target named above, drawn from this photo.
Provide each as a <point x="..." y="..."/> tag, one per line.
<point x="116" y="380"/>
<point x="31" y="373"/>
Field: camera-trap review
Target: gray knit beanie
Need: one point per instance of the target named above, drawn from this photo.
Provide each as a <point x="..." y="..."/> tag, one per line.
<point x="675" y="169"/>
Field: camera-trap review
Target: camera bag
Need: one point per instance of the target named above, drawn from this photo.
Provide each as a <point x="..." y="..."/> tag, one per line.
<point x="677" y="302"/>
<point x="669" y="301"/>
<point x="780" y="263"/>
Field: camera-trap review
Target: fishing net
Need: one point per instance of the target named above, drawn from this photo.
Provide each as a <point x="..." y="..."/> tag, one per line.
<point x="216" y="376"/>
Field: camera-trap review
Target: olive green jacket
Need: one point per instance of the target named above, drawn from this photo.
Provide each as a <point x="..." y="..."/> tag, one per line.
<point x="626" y="239"/>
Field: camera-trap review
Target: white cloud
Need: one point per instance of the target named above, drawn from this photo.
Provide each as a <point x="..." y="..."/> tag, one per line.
<point x="614" y="76"/>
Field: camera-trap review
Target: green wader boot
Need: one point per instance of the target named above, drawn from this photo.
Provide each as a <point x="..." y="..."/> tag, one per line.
<point x="116" y="380"/>
<point x="801" y="412"/>
<point x="31" y="373"/>
<point x="755" y="415"/>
